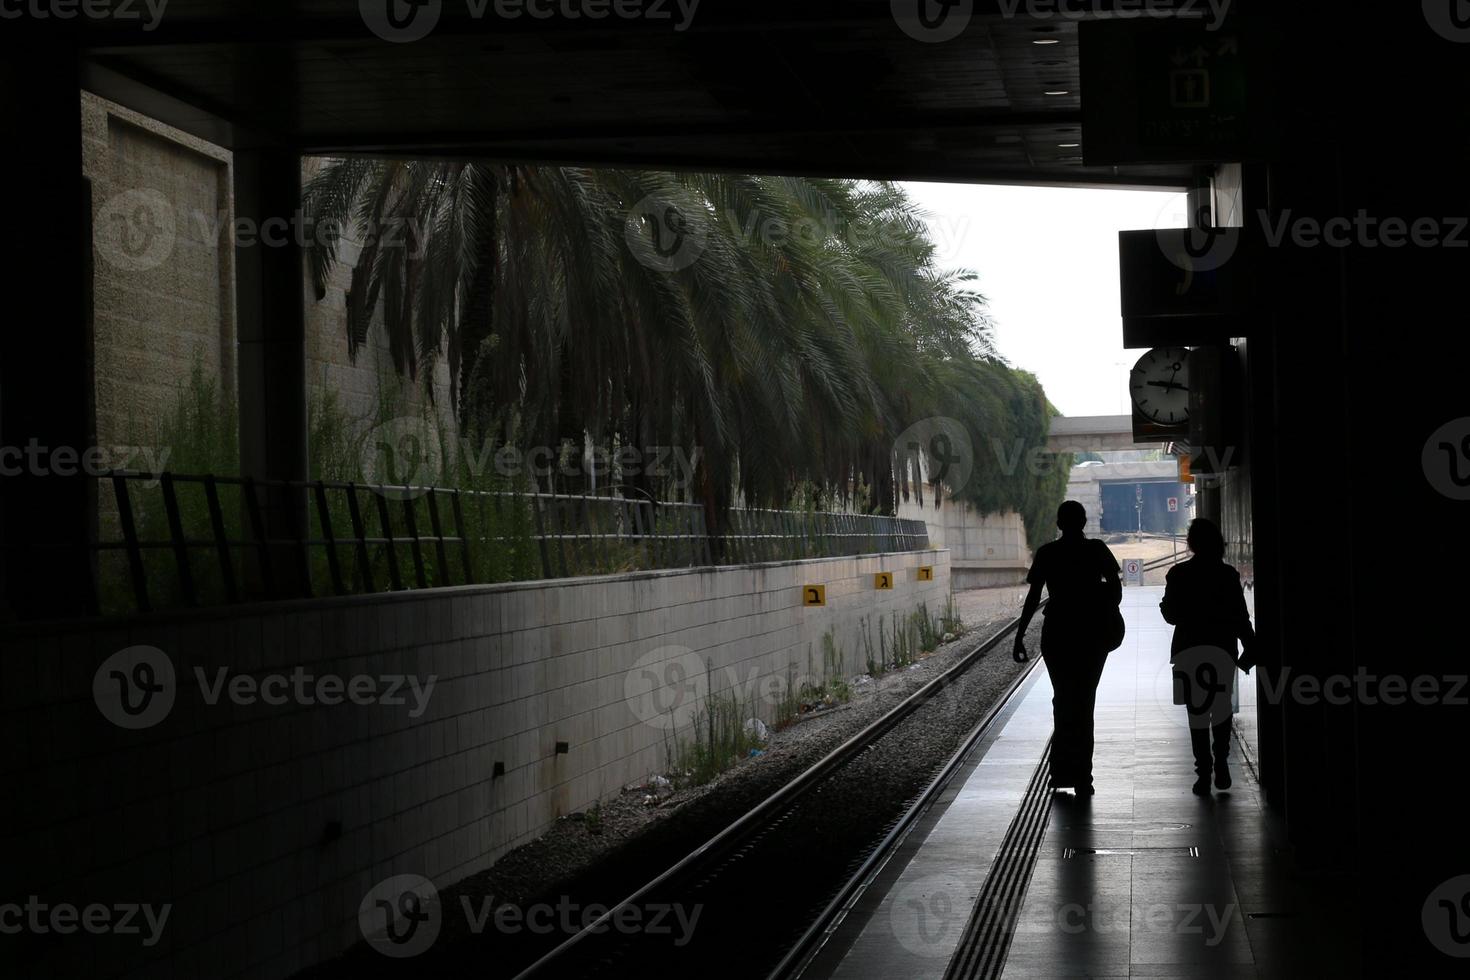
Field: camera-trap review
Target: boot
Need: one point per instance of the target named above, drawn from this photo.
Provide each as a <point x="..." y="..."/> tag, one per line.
<point x="1222" y="755"/>
<point x="1199" y="739"/>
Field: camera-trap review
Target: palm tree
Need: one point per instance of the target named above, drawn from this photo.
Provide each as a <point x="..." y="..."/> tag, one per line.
<point x="810" y="328"/>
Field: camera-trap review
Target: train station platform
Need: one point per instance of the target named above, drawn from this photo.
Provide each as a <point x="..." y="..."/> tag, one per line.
<point x="1003" y="877"/>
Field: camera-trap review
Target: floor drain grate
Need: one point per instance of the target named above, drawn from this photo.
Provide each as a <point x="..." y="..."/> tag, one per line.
<point x="1071" y="852"/>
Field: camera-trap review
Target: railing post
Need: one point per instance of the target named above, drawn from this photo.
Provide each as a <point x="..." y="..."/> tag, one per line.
<point x="443" y="578"/>
<point x="704" y="535"/>
<point x="536" y="510"/>
<point x="303" y="540"/>
<point x="739" y="539"/>
<point x="386" y="523"/>
<point x="595" y="544"/>
<point x="464" y="539"/>
<point x="359" y="531"/>
<point x="561" y="534"/>
<point x="130" y="540"/>
<point x="637" y="511"/>
<point x="257" y="528"/>
<point x="693" y="536"/>
<point x="177" y="541"/>
<point x="660" y="547"/>
<point x="221" y="539"/>
<point x="324" y="517"/>
<point x="414" y="547"/>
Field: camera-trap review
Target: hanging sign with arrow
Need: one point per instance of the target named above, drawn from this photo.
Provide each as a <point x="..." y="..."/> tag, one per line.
<point x="1169" y="92"/>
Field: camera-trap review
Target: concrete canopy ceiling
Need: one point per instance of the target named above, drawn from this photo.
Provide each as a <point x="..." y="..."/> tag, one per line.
<point x="831" y="88"/>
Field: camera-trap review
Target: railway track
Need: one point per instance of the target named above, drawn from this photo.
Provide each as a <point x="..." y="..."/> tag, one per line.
<point x="766" y="891"/>
<point x="801" y="954"/>
<point x="771" y="886"/>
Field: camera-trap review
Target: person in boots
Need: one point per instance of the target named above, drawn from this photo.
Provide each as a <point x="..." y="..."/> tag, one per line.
<point x="1205" y="603"/>
<point x="1081" y="627"/>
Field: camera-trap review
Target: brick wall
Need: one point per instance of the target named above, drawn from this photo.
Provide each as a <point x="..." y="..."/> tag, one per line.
<point x="164" y="276"/>
<point x="164" y="285"/>
<point x="264" y="825"/>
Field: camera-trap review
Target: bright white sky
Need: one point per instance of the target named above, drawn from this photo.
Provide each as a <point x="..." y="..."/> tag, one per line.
<point x="1048" y="263"/>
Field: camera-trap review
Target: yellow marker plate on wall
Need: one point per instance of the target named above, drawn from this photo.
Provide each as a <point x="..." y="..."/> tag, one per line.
<point x="883" y="580"/>
<point x="926" y="573"/>
<point x="813" y="595"/>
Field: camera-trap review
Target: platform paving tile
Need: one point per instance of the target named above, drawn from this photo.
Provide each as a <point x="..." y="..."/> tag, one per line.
<point x="1116" y="890"/>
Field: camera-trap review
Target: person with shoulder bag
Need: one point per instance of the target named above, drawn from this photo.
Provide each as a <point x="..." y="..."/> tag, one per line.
<point x="1205" y="603"/>
<point x="1082" y="625"/>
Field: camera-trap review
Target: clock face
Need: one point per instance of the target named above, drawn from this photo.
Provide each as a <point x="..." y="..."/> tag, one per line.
<point x="1159" y="385"/>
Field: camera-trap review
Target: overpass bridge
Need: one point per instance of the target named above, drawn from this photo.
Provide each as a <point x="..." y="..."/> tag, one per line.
<point x="1091" y="434"/>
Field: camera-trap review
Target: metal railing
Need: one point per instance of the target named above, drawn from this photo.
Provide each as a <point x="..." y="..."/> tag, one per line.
<point x="206" y="540"/>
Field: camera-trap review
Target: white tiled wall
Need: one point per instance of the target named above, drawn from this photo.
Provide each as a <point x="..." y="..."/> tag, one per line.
<point x="264" y="825"/>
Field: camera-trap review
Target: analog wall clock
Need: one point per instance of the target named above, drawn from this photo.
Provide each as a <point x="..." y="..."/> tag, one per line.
<point x="1159" y="385"/>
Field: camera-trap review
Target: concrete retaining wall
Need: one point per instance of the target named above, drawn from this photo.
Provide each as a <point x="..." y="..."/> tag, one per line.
<point x="985" y="549"/>
<point x="265" y="817"/>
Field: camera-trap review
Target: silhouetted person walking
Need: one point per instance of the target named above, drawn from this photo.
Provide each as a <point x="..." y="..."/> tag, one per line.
<point x="1204" y="601"/>
<point x="1081" y="627"/>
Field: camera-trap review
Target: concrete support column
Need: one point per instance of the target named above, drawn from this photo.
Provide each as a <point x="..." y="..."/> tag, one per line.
<point x="1260" y="456"/>
<point x="1367" y="345"/>
<point x="271" y="322"/>
<point x="47" y="424"/>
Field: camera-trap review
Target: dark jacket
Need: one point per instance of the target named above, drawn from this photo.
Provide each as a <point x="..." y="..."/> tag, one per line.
<point x="1204" y="601"/>
<point x="1081" y="578"/>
